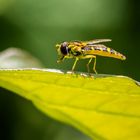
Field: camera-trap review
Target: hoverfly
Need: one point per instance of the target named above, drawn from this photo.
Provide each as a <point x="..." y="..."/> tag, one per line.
<point x="86" y="49"/>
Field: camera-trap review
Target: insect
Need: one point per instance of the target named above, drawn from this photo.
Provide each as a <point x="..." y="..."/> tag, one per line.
<point x="86" y="49"/>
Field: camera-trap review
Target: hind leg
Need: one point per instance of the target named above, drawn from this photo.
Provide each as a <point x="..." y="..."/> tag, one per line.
<point x="88" y="69"/>
<point x="94" y="64"/>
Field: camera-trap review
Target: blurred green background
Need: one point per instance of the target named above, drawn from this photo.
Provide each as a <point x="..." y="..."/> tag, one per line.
<point x="37" y="25"/>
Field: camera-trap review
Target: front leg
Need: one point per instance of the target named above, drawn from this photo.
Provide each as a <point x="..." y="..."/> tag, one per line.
<point x="61" y="59"/>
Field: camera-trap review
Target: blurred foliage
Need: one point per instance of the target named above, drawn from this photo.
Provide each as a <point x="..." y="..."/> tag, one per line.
<point x="5" y="4"/>
<point x="37" y="26"/>
<point x="17" y="58"/>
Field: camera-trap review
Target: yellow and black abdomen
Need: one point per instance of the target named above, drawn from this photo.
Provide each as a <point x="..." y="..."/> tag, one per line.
<point x="102" y="50"/>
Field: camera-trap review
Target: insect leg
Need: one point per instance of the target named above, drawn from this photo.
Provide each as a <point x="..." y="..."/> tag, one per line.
<point x="60" y="59"/>
<point x="94" y="65"/>
<point x="73" y="67"/>
<point x="88" y="65"/>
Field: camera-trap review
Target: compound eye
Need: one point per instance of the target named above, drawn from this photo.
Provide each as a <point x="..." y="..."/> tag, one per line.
<point x="64" y="48"/>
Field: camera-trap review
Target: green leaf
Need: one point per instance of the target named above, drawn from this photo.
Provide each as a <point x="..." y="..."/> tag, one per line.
<point x="103" y="108"/>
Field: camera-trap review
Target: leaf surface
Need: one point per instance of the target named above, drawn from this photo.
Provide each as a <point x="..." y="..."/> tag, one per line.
<point x="103" y="108"/>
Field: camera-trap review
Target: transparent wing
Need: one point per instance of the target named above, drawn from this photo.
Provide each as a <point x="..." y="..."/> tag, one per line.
<point x="90" y="43"/>
<point x="95" y="41"/>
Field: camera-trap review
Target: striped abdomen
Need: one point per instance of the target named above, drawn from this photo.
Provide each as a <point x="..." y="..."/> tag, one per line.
<point x="102" y="50"/>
